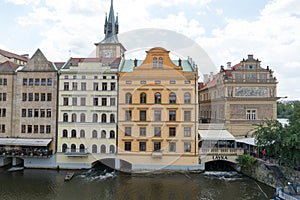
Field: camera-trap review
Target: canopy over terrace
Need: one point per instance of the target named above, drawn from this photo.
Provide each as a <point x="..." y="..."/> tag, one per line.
<point x="216" y="138"/>
<point x="24" y="142"/>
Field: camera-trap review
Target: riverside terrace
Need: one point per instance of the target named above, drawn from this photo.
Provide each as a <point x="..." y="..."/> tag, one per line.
<point x="28" y="151"/>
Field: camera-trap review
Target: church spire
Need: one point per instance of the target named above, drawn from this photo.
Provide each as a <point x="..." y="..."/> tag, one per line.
<point x="111" y="26"/>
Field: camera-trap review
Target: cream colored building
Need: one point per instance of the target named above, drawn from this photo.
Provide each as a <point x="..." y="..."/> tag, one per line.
<point x="88" y="97"/>
<point x="158" y="112"/>
<point x="239" y="97"/>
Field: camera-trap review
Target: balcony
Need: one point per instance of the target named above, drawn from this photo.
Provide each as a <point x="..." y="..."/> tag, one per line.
<point x="221" y="151"/>
<point x="76" y="152"/>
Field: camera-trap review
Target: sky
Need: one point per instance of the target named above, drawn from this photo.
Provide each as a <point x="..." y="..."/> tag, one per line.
<point x="227" y="30"/>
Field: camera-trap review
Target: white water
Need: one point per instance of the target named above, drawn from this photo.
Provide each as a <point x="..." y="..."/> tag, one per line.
<point x="226" y="176"/>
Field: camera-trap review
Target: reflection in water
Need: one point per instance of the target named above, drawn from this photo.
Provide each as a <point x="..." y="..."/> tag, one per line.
<point x="49" y="184"/>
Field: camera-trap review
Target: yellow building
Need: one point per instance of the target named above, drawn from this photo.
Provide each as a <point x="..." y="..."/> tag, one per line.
<point x="157" y="112"/>
<point x="239" y="96"/>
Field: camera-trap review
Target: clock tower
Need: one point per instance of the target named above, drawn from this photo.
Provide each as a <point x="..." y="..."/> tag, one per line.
<point x="110" y="47"/>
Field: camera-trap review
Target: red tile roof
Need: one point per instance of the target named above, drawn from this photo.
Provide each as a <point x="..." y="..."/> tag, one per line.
<point x="13" y="55"/>
<point x="8" y="66"/>
<point x="210" y="83"/>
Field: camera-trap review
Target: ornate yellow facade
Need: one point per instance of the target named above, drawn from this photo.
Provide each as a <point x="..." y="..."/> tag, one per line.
<point x="157" y="112"/>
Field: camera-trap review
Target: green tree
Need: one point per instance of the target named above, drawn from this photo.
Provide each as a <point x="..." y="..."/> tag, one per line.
<point x="282" y="143"/>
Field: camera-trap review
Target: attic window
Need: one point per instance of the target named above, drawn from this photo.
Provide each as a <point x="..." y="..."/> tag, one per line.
<point x="160" y="62"/>
<point x="154" y="62"/>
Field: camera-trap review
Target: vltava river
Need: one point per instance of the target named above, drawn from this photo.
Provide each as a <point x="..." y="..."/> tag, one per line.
<point x="49" y="184"/>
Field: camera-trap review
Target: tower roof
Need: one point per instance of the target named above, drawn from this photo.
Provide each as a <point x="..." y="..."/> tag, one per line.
<point x="111" y="27"/>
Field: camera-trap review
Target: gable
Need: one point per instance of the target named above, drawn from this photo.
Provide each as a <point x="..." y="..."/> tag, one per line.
<point x="38" y="62"/>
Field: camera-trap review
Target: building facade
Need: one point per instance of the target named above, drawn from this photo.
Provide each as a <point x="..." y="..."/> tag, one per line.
<point x="28" y="111"/>
<point x="87" y="119"/>
<point x="239" y="97"/>
<point x="157" y="120"/>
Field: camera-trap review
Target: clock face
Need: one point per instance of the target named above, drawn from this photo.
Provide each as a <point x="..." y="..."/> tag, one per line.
<point x="107" y="54"/>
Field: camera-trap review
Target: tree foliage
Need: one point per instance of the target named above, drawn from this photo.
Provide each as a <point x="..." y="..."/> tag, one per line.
<point x="284" y="110"/>
<point x="282" y="143"/>
<point x="246" y="161"/>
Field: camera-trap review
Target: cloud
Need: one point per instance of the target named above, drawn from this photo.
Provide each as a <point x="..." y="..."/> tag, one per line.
<point x="273" y="38"/>
<point x="23" y="2"/>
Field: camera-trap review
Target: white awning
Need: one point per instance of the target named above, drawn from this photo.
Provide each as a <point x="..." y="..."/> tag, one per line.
<point x="250" y="141"/>
<point x="213" y="134"/>
<point x="25" y="142"/>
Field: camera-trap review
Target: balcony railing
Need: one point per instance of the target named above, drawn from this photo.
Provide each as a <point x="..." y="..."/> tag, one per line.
<point x="76" y="152"/>
<point x="221" y="151"/>
<point x="26" y="152"/>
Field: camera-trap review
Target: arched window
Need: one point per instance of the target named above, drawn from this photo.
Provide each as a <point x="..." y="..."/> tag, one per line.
<point x="94" y="134"/>
<point x="111" y="149"/>
<point x="157" y="98"/>
<point x="65" y="133"/>
<point x="103" y="118"/>
<point x="143" y="98"/>
<point x="65" y="117"/>
<point x="160" y="62"/>
<point x="128" y="99"/>
<point x="73" y="147"/>
<point x="95" y="117"/>
<point x="154" y="62"/>
<point x="94" y="148"/>
<point x="82" y="133"/>
<point x="112" y="118"/>
<point x="81" y="148"/>
<point x="103" y="148"/>
<point x="112" y="134"/>
<point x="64" y="148"/>
<point x="82" y="117"/>
<point x="187" y="98"/>
<point x="103" y="134"/>
<point x="172" y="98"/>
<point x="74" y="117"/>
<point x="73" y="133"/>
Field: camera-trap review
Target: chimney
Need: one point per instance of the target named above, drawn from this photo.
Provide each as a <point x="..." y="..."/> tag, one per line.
<point x="228" y="65"/>
<point x="179" y="62"/>
<point x="135" y="62"/>
<point x="211" y="76"/>
<point x="205" y="78"/>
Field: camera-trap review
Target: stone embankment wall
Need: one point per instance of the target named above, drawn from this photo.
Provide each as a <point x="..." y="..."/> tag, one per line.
<point x="273" y="175"/>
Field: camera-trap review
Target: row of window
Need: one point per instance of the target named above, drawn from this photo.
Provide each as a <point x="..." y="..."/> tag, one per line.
<point x="250" y="114"/>
<point x="158" y="82"/>
<point x="65" y="134"/>
<point x="157" y="131"/>
<point x="36" y="96"/>
<point x="104" y="101"/>
<point x="37" y="81"/>
<point x="2" y="128"/>
<point x="2" y="112"/>
<point x="157" y="115"/>
<point x="84" y="77"/>
<point x="82" y="149"/>
<point x="157" y="98"/>
<point x="36" y="129"/>
<point x="3" y="96"/>
<point x="104" y="86"/>
<point x="95" y="118"/>
<point x="3" y="81"/>
<point x="157" y="146"/>
<point x="36" y="113"/>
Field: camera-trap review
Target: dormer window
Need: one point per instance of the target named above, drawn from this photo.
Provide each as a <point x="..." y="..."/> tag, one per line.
<point x="160" y="62"/>
<point x="154" y="62"/>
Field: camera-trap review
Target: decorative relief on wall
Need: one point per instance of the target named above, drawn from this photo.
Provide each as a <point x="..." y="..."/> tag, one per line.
<point x="251" y="77"/>
<point x="251" y="91"/>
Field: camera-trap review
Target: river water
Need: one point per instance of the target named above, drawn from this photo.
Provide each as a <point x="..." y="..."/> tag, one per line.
<point x="34" y="184"/>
